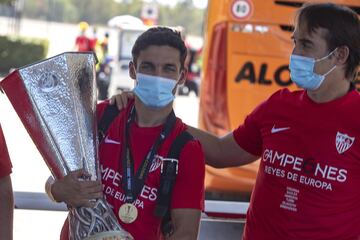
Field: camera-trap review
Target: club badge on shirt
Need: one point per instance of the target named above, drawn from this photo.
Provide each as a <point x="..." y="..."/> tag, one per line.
<point x="343" y="142"/>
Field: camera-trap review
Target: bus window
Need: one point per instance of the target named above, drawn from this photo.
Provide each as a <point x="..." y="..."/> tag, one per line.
<point x="246" y="56"/>
<point x="127" y="30"/>
<point x="127" y="40"/>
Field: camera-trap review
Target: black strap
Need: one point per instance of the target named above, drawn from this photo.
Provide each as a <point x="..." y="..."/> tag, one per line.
<point x="169" y="171"/>
<point x="134" y="182"/>
<point x="111" y="111"/>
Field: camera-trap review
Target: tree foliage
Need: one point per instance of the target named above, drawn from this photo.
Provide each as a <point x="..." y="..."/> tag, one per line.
<point x="99" y="12"/>
<point x="6" y="1"/>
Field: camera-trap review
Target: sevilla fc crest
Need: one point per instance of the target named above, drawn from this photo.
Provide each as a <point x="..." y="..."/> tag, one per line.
<point x="343" y="142"/>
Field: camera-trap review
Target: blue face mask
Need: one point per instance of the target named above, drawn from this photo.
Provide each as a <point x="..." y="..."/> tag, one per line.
<point x="154" y="91"/>
<point x="302" y="71"/>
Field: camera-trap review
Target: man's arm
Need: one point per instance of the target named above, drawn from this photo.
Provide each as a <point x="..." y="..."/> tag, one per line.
<point x="221" y="152"/>
<point x="186" y="223"/>
<point x="6" y="208"/>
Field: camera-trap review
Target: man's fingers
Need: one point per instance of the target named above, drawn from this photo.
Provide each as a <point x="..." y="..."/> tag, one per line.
<point x="121" y="100"/>
<point x="112" y="100"/>
<point x="80" y="173"/>
<point x="95" y="189"/>
<point x="91" y="196"/>
<point x="91" y="184"/>
<point x="93" y="193"/>
<point x="125" y="97"/>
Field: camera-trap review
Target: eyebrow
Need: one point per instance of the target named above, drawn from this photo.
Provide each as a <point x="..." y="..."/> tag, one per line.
<point x="304" y="40"/>
<point x="147" y="64"/>
<point x="171" y="65"/>
<point x="152" y="64"/>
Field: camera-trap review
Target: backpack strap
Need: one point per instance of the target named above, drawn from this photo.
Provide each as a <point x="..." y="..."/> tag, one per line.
<point x="169" y="171"/>
<point x="111" y="111"/>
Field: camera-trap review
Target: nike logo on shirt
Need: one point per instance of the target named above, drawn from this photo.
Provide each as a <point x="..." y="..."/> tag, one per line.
<point x="110" y="141"/>
<point x="276" y="130"/>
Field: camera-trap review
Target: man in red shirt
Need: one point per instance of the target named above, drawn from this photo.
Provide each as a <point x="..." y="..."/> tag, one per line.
<point x="308" y="181"/>
<point x="6" y="193"/>
<point x="308" y="140"/>
<point x="82" y="42"/>
<point x="142" y="135"/>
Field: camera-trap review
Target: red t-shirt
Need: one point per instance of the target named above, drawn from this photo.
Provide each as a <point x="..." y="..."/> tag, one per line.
<point x="188" y="190"/>
<point x="92" y="43"/>
<point x="83" y="43"/>
<point x="309" y="176"/>
<point x="5" y="164"/>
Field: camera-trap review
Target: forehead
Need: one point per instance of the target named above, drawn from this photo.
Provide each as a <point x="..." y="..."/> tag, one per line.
<point x="159" y="55"/>
<point x="317" y="34"/>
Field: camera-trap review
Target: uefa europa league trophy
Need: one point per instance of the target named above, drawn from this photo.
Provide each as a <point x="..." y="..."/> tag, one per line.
<point x="56" y="101"/>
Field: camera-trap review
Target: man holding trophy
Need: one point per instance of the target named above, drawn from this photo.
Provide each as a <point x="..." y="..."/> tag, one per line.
<point x="152" y="170"/>
<point x="56" y="101"/>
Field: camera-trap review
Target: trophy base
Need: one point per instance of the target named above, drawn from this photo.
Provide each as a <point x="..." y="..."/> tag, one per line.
<point x="111" y="235"/>
<point x="97" y="223"/>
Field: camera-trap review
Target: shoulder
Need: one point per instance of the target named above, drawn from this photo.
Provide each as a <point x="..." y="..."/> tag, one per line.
<point x="349" y="103"/>
<point x="101" y="107"/>
<point x="278" y="101"/>
<point x="192" y="145"/>
<point x="283" y="97"/>
<point x="192" y="161"/>
<point x="193" y="151"/>
<point x="286" y="94"/>
<point x="354" y="96"/>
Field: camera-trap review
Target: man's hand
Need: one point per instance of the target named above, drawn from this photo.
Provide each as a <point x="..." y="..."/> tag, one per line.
<point x="75" y="191"/>
<point x="121" y="100"/>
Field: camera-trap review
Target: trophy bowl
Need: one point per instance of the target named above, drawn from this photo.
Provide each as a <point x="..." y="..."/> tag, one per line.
<point x="56" y="102"/>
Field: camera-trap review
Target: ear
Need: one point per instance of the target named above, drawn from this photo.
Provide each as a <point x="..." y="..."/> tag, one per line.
<point x="342" y="55"/>
<point x="132" y="70"/>
<point x="183" y="75"/>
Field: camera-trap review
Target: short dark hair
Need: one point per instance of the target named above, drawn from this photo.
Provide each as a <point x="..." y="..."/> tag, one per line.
<point x="159" y="36"/>
<point x="342" y="25"/>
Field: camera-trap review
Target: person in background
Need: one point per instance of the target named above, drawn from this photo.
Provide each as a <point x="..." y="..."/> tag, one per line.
<point x="103" y="68"/>
<point x="6" y="192"/>
<point x="93" y="41"/>
<point x="83" y="42"/>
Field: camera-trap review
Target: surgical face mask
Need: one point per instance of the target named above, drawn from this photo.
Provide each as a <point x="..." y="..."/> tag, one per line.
<point x="154" y="91"/>
<point x="302" y="71"/>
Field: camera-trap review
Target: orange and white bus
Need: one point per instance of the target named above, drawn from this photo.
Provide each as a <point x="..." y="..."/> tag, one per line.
<point x="246" y="56"/>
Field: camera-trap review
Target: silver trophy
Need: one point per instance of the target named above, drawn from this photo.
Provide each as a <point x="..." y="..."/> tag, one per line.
<point x="56" y="101"/>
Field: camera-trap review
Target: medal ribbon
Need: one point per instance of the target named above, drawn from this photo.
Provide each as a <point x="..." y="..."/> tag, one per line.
<point x="132" y="186"/>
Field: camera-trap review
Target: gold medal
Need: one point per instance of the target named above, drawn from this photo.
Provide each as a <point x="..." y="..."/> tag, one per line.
<point x="128" y="213"/>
